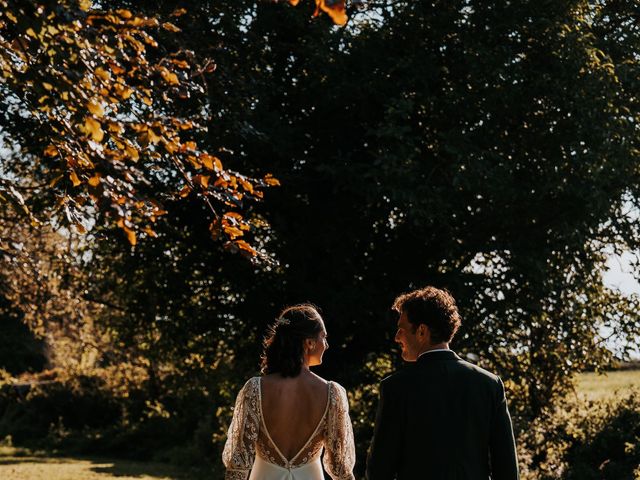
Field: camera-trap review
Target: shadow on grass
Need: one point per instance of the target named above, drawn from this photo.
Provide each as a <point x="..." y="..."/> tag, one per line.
<point x="125" y="468"/>
<point x="19" y="460"/>
<point x="109" y="467"/>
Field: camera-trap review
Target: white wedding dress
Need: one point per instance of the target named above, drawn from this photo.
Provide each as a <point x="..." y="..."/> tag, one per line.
<point x="251" y="453"/>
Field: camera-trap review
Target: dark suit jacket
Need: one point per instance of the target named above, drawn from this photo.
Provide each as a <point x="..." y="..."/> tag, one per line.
<point x="442" y="419"/>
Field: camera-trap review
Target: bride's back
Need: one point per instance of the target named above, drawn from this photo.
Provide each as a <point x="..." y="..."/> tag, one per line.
<point x="292" y="409"/>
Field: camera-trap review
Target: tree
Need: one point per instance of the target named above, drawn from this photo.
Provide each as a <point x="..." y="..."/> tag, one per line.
<point x="489" y="148"/>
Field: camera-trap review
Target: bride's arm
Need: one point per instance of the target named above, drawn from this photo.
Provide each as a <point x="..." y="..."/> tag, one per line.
<point x="239" y="450"/>
<point x="340" y="452"/>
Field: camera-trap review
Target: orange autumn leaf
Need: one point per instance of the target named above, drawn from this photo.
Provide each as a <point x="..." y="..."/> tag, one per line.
<point x="169" y="77"/>
<point x="186" y="190"/>
<point x="51" y="151"/>
<point x="126" y="14"/>
<point x="95" y="108"/>
<point x="149" y="231"/>
<point x="235" y="216"/>
<point x="207" y="161"/>
<point x="74" y="178"/>
<point x="194" y="161"/>
<point x="95" y="180"/>
<point x="115" y="127"/>
<point x="242" y="245"/>
<point x="103" y="74"/>
<point x="188" y="147"/>
<point x="179" y="12"/>
<point x="180" y="63"/>
<point x="122" y="91"/>
<point x="171" y="146"/>
<point x="152" y="137"/>
<point x="246" y="185"/>
<point x="202" y="180"/>
<point x="271" y="180"/>
<point x="93" y="129"/>
<point x="334" y="8"/>
<point x="131" y="236"/>
<point x="132" y="153"/>
<point x="170" y="27"/>
<point x="117" y="69"/>
<point x="232" y="231"/>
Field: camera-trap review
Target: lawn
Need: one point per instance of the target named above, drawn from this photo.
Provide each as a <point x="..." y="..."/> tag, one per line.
<point x="596" y="386"/>
<point x="18" y="464"/>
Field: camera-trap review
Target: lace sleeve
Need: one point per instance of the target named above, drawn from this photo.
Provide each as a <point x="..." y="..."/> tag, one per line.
<point x="340" y="453"/>
<point x="239" y="449"/>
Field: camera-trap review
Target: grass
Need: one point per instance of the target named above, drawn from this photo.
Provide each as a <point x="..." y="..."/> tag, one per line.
<point x="20" y="464"/>
<point x="594" y="386"/>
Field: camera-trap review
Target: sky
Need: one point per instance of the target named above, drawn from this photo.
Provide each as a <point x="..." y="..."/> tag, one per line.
<point x="619" y="275"/>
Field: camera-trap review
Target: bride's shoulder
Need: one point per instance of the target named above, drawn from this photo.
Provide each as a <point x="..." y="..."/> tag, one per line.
<point x="337" y="389"/>
<point x="251" y="384"/>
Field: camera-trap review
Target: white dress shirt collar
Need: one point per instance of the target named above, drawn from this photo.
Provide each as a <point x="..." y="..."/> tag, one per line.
<point x="436" y="350"/>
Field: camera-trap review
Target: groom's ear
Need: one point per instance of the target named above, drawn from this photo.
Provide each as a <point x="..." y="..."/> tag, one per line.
<point x="421" y="330"/>
<point x="424" y="331"/>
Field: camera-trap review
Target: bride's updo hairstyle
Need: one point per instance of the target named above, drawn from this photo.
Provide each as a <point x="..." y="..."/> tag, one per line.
<point x="284" y="344"/>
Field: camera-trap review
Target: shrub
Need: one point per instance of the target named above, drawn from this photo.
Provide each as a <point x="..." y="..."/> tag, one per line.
<point x="584" y="440"/>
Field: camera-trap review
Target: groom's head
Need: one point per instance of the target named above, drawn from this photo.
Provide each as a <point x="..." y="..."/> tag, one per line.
<point x="428" y="319"/>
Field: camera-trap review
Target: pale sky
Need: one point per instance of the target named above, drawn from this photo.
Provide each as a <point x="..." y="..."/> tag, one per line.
<point x="620" y="276"/>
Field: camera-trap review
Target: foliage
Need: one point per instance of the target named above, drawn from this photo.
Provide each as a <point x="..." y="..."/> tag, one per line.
<point x="584" y="440"/>
<point x="109" y="411"/>
<point x="504" y="174"/>
<point x="92" y="99"/>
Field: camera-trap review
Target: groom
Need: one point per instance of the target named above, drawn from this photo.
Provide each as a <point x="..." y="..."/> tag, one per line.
<point x="441" y="418"/>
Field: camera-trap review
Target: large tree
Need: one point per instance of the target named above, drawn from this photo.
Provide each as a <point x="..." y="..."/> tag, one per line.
<point x="487" y="147"/>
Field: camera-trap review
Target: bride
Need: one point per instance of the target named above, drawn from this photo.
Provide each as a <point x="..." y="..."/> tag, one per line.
<point x="283" y="419"/>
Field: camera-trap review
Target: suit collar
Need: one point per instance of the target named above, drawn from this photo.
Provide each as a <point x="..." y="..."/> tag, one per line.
<point x="436" y="356"/>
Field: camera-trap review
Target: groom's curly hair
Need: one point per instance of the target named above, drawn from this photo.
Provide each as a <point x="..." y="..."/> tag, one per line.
<point x="284" y="343"/>
<point x="435" y="308"/>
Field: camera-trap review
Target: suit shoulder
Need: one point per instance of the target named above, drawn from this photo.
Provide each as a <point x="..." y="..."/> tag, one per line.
<point x="478" y="372"/>
<point x="397" y="379"/>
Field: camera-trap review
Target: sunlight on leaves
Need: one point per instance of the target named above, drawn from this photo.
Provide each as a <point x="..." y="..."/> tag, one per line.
<point x="89" y="80"/>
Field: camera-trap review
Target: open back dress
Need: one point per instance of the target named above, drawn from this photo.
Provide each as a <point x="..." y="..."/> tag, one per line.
<point x="251" y="453"/>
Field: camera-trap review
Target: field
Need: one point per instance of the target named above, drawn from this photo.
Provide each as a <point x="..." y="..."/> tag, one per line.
<point x="18" y="464"/>
<point x="593" y="386"/>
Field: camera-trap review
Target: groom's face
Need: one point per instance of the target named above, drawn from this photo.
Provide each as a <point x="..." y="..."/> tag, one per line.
<point x="407" y="338"/>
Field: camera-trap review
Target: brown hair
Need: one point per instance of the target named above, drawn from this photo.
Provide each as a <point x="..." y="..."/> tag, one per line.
<point x="433" y="307"/>
<point x="284" y="343"/>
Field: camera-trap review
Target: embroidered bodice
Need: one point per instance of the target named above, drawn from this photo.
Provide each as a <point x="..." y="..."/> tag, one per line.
<point x="248" y="436"/>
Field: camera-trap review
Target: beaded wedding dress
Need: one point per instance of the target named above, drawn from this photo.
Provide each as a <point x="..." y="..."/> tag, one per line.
<point x="251" y="453"/>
